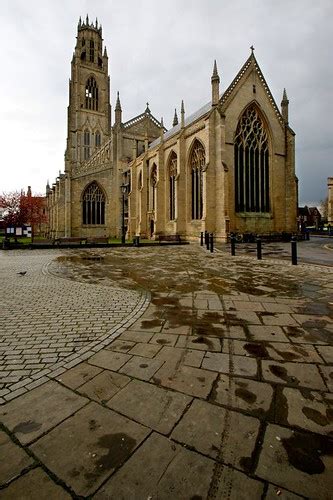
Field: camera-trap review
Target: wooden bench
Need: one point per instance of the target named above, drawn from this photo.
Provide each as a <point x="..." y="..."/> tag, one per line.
<point x="169" y="237"/>
<point x="70" y="241"/>
<point x="98" y="240"/>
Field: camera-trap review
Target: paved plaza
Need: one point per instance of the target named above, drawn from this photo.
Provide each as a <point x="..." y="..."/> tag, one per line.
<point x="164" y="373"/>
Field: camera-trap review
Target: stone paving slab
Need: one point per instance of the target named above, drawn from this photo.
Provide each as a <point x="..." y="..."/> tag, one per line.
<point x="227" y="436"/>
<point x="149" y="405"/>
<point x="308" y="410"/>
<point x="13" y="459"/>
<point x="104" y="386"/>
<point x="300" y="462"/>
<point x="294" y="374"/>
<point x="243" y="394"/>
<point x="83" y="464"/>
<point x="38" y="411"/>
<point x="34" y="483"/>
<point x="170" y="471"/>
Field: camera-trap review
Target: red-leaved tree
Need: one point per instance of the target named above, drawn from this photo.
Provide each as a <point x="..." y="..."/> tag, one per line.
<point x="20" y="209"/>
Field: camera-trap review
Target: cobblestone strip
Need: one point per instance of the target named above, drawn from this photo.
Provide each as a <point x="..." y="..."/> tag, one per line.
<point x="49" y="324"/>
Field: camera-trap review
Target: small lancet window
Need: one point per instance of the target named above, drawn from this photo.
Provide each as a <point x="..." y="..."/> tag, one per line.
<point x="93" y="205"/>
<point x="197" y="164"/>
<point x="86" y="144"/>
<point x="251" y="158"/>
<point x="172" y="185"/>
<point x="91" y="94"/>
<point x="97" y="139"/>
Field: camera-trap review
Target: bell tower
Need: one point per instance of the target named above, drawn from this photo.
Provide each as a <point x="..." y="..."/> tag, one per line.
<point x="89" y="110"/>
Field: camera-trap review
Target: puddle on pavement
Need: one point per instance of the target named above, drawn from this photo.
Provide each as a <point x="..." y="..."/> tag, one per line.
<point x="169" y="273"/>
<point x="305" y="451"/>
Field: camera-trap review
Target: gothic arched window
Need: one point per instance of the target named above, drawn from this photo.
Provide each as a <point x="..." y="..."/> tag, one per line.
<point x="86" y="144"/>
<point x="153" y="182"/>
<point x="93" y="205"/>
<point x="172" y="185"/>
<point x="91" y="94"/>
<point x="197" y="164"/>
<point x="251" y="164"/>
<point x="97" y="139"/>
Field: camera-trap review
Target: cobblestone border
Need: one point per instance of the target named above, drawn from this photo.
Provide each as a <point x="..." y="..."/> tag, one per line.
<point x="82" y="354"/>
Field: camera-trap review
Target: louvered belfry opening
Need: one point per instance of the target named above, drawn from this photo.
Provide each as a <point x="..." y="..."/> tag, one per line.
<point x="91" y="101"/>
<point x="93" y="205"/>
<point x="172" y="185"/>
<point x="251" y="164"/>
<point x="197" y="164"/>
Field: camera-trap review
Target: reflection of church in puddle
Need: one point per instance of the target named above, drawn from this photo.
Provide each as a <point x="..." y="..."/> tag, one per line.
<point x="229" y="166"/>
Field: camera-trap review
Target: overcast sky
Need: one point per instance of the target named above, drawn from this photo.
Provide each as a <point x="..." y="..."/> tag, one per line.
<point x="163" y="52"/>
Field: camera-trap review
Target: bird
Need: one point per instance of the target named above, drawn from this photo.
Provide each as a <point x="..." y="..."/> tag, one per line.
<point x="22" y="273"/>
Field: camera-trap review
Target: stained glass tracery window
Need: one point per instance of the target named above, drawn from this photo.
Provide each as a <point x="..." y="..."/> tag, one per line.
<point x="251" y="157"/>
<point x="93" y="205"/>
<point x="172" y="185"/>
<point x="197" y="164"/>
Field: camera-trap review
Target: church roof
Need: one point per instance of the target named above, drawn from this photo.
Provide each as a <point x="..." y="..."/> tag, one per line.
<point x="224" y="98"/>
<point x="192" y="118"/>
<point x="141" y="117"/>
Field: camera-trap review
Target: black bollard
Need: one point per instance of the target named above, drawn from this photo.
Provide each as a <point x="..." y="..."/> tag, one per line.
<point x="293" y="251"/>
<point x="207" y="241"/>
<point x="233" y="245"/>
<point x="206" y="238"/>
<point x="201" y="238"/>
<point x="259" y="256"/>
<point x="211" y="238"/>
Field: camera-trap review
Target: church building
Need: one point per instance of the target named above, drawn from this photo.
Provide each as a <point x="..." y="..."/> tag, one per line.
<point x="228" y="167"/>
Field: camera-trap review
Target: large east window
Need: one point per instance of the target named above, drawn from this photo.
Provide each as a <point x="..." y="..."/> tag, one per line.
<point x="251" y="164"/>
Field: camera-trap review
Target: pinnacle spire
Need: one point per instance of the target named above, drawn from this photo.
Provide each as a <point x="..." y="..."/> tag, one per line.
<point x="175" y="119"/>
<point x="215" y="73"/>
<point x="147" y="110"/>
<point x="182" y="114"/>
<point x="118" y="105"/>
<point x="80" y="22"/>
<point x="285" y="106"/>
<point x="87" y="20"/>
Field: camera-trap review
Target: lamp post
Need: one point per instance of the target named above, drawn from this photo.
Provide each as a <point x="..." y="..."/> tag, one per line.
<point x="123" y="191"/>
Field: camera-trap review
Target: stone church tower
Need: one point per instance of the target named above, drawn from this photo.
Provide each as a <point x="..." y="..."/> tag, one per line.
<point x="89" y="110"/>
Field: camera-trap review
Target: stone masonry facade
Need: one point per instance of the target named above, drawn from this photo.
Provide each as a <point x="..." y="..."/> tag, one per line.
<point x="229" y="167"/>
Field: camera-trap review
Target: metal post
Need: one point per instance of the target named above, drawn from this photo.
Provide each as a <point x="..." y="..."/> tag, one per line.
<point x="123" y="221"/>
<point x="233" y="245"/>
<point x="206" y="238"/>
<point x="207" y="241"/>
<point x="293" y="251"/>
<point x="201" y="238"/>
<point x="259" y="256"/>
<point x="211" y="242"/>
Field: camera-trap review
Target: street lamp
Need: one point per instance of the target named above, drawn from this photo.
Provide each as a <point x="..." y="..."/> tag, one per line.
<point x="123" y="191"/>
